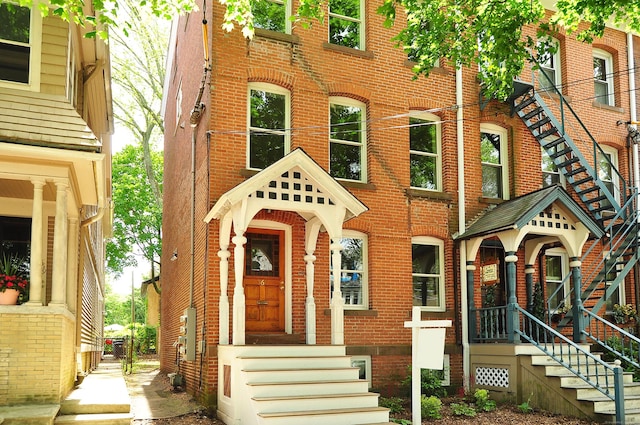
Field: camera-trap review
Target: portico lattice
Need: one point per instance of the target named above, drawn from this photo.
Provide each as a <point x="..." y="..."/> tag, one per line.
<point x="293" y="186"/>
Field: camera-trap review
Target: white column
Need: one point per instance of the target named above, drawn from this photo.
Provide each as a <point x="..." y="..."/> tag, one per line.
<point x="223" y="314"/>
<point x="310" y="305"/>
<point x="60" y="240"/>
<point x="238" y="291"/>
<point x="337" y="303"/>
<point x="72" y="264"/>
<point x="37" y="263"/>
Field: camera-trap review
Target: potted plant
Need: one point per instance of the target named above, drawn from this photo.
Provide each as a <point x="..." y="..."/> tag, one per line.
<point x="624" y="313"/>
<point x="13" y="280"/>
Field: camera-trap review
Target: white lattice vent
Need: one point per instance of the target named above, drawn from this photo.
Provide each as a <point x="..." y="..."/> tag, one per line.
<point x="492" y="377"/>
<point x="293" y="186"/>
<point x="553" y="219"/>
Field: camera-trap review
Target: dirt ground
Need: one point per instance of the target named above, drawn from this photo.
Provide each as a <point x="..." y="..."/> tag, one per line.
<point x="503" y="415"/>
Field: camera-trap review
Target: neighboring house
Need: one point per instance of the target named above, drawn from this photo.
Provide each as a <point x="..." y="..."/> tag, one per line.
<point x="324" y="193"/>
<point x="55" y="190"/>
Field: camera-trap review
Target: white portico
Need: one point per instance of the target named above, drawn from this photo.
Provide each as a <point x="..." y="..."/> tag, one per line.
<point x="298" y="184"/>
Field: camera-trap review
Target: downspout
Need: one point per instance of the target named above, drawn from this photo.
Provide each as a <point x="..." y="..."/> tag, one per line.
<point x="194" y="120"/>
<point x="461" y="227"/>
<point x="633" y="117"/>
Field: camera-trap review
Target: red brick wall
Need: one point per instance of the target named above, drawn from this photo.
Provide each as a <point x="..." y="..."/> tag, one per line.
<point x="384" y="82"/>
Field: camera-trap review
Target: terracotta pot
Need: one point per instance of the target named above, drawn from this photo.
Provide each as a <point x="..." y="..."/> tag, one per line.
<point x="9" y="297"/>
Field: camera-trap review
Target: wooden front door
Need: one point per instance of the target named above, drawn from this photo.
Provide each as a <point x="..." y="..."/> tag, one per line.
<point x="264" y="281"/>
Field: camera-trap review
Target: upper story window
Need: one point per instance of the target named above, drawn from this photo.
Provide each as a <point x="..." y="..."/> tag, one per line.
<point x="269" y="121"/>
<point x="424" y="151"/>
<point x="603" y="77"/>
<point x="353" y="270"/>
<point x="550" y="172"/>
<point x="273" y="15"/>
<point x="607" y="164"/>
<point x="19" y="52"/>
<point x="550" y="67"/>
<point x="346" y="23"/>
<point x="347" y="139"/>
<point x="494" y="155"/>
<point x="428" y="273"/>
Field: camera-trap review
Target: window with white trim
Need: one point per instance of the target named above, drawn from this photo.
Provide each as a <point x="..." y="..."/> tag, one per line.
<point x="424" y="151"/>
<point x="19" y="45"/>
<point x="603" y="77"/>
<point x="353" y="270"/>
<point x="346" y="23"/>
<point x="557" y="287"/>
<point x="612" y="269"/>
<point x="607" y="164"/>
<point x="427" y="256"/>
<point x="347" y="139"/>
<point x="494" y="157"/>
<point x="269" y="115"/>
<point x="550" y="66"/>
<point x="550" y="173"/>
<point x="363" y="363"/>
<point x="273" y="15"/>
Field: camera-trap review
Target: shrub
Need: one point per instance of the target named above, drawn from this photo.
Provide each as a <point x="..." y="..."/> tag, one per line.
<point x="430" y="407"/>
<point x="430" y="383"/>
<point x="394" y="404"/>
<point x="463" y="409"/>
<point x="482" y="401"/>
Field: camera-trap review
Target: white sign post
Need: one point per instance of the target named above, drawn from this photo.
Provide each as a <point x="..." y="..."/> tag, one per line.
<point x="427" y="352"/>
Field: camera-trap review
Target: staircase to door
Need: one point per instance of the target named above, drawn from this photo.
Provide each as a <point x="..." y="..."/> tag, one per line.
<point x="294" y="385"/>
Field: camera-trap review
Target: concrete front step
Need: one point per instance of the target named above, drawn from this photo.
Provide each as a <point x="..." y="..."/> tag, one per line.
<point x="571" y="379"/>
<point x="315" y="402"/>
<point x="75" y="407"/>
<point x="280" y="389"/>
<point x="95" y="419"/>
<point x="604" y="404"/>
<point x="28" y="414"/>
<point x="273" y="363"/>
<point x="299" y="375"/>
<point x="584" y="390"/>
<point x="329" y="416"/>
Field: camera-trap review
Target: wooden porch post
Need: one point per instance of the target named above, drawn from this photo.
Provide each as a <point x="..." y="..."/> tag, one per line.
<point x="578" y="317"/>
<point x="37" y="265"/>
<point x="512" y="302"/>
<point x="472" y="304"/>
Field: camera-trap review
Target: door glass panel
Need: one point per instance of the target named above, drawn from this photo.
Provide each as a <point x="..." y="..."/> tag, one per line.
<point x="262" y="257"/>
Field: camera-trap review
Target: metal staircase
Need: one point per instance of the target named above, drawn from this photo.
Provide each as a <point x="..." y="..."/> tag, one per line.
<point x="599" y="185"/>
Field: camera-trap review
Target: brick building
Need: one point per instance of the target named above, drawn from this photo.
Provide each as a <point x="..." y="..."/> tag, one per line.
<point x="315" y="193"/>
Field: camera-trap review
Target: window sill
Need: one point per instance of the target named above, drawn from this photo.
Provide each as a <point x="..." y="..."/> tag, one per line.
<point x="248" y="172"/>
<point x="607" y="107"/>
<point x="429" y="194"/>
<point x="355" y="313"/>
<point x="356" y="185"/>
<point x="277" y="36"/>
<point x="435" y="70"/>
<point x="491" y="201"/>
<point x="365" y="54"/>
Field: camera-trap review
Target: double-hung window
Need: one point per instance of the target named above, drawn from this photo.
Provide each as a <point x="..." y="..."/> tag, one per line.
<point x="346" y="23"/>
<point x="557" y="286"/>
<point x="612" y="269"/>
<point x="424" y="152"/>
<point x="603" y="77"/>
<point x="273" y="15"/>
<point x="269" y="121"/>
<point x="550" y="172"/>
<point x="19" y="51"/>
<point x="494" y="156"/>
<point x="428" y="273"/>
<point x="607" y="164"/>
<point x="353" y="270"/>
<point x="550" y="67"/>
<point x="347" y="139"/>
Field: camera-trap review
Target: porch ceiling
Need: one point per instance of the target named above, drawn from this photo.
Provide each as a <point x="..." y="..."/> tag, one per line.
<point x="294" y="183"/>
